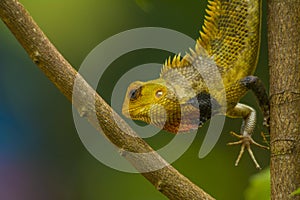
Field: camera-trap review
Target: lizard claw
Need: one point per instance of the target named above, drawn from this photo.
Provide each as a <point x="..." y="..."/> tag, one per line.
<point x="246" y="141"/>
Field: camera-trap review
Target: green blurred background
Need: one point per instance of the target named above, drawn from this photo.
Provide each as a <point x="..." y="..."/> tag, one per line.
<point x="41" y="155"/>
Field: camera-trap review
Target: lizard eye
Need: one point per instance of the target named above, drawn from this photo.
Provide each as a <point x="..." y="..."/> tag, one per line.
<point x="159" y="94"/>
<point x="134" y="93"/>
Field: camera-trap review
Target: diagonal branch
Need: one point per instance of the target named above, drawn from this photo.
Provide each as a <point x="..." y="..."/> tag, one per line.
<point x="167" y="180"/>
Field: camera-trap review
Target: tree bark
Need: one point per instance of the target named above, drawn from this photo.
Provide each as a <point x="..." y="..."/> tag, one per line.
<point x="43" y="53"/>
<point x="284" y="58"/>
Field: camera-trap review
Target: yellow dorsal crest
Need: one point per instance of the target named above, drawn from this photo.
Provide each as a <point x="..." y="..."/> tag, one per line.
<point x="230" y="37"/>
<point x="176" y="62"/>
<point x="210" y="26"/>
<point x="202" y="45"/>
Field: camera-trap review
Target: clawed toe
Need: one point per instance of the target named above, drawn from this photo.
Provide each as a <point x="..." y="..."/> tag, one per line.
<point x="246" y="141"/>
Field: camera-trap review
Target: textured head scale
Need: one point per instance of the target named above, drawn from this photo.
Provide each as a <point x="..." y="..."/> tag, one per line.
<point x="153" y="102"/>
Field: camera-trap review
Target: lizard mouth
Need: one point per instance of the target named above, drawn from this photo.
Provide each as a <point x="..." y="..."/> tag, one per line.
<point x="125" y="111"/>
<point x="132" y="112"/>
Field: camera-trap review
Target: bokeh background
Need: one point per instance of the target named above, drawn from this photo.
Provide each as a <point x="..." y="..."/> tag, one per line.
<point x="41" y="155"/>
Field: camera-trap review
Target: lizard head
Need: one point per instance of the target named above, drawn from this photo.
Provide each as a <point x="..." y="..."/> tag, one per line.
<point x="155" y="102"/>
<point x="143" y="97"/>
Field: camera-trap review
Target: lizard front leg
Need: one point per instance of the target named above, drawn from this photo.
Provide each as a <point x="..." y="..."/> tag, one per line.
<point x="256" y="85"/>
<point x="249" y="120"/>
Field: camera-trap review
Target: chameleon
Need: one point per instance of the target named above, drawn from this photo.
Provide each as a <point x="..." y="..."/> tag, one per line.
<point x="183" y="98"/>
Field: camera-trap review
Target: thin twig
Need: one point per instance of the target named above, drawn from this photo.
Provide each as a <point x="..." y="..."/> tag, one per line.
<point x="167" y="180"/>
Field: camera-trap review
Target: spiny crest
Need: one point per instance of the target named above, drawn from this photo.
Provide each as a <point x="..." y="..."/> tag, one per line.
<point x="202" y="47"/>
<point x="210" y="27"/>
<point x="176" y="62"/>
<point x="186" y="61"/>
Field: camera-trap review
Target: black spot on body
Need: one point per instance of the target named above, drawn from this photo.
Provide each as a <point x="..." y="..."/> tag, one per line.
<point x="208" y="106"/>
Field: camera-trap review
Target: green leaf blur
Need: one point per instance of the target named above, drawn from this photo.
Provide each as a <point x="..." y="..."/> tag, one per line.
<point x="296" y="192"/>
<point x="259" y="187"/>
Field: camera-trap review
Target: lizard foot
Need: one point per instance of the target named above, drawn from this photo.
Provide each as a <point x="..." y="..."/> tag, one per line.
<point x="246" y="141"/>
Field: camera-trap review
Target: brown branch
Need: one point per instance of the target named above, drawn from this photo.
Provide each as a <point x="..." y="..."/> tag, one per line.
<point x="284" y="59"/>
<point x="167" y="180"/>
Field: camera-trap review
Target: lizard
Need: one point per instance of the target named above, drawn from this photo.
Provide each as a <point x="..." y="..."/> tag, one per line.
<point x="181" y="100"/>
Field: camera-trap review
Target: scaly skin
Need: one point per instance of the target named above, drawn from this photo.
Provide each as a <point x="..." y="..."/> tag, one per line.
<point x="209" y="80"/>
